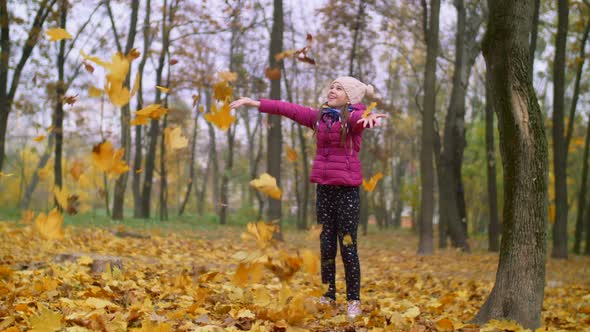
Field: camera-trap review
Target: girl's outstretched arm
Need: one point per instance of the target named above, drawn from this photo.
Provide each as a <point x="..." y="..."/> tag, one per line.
<point x="303" y="115"/>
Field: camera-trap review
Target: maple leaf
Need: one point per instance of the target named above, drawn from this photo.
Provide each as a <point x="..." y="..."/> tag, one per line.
<point x="370" y="185"/>
<point x="153" y="111"/>
<point x="291" y="154"/>
<point x="70" y="100"/>
<point x="163" y="89"/>
<point x="57" y="34"/>
<point x="369" y="109"/>
<point x="106" y="159"/>
<point x="174" y="139"/>
<point x="61" y="196"/>
<point x="267" y="185"/>
<point x="89" y="68"/>
<point x="133" y="54"/>
<point x="39" y="138"/>
<point x="50" y="226"/>
<point x="311" y="261"/>
<point x="46" y="321"/>
<point x="222" y="91"/>
<point x="221" y="118"/>
<point x="347" y="240"/>
<point x="77" y="169"/>
<point x="273" y="73"/>
<point x="284" y="54"/>
<point x="140" y="120"/>
<point x="262" y="232"/>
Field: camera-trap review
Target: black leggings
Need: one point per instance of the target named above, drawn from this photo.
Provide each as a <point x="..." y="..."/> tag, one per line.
<point x="338" y="210"/>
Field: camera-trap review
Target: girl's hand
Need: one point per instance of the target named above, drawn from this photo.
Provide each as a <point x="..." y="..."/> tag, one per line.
<point x="371" y="120"/>
<point x="244" y="101"/>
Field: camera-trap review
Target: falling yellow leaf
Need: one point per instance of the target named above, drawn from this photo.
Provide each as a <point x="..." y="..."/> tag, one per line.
<point x="61" y="196"/>
<point x="174" y="139"/>
<point x="136" y="84"/>
<point x="5" y="174"/>
<point x="118" y="94"/>
<point x="94" y="91"/>
<point x="227" y="76"/>
<point x="262" y="232"/>
<point x="221" y="118"/>
<point x="50" y="128"/>
<point x="347" y="240"/>
<point x="247" y="272"/>
<point x="106" y="159"/>
<point x="133" y="54"/>
<point x="314" y="232"/>
<point x="267" y="185"/>
<point x="139" y="170"/>
<point x="163" y="89"/>
<point x="140" y="120"/>
<point x="222" y="91"/>
<point x="77" y="169"/>
<point x="311" y="261"/>
<point x="201" y="108"/>
<point x="153" y="111"/>
<point x="50" y="226"/>
<point x="370" y="185"/>
<point x="291" y="154"/>
<point x="46" y="321"/>
<point x="39" y="138"/>
<point x="369" y="109"/>
<point x="57" y="34"/>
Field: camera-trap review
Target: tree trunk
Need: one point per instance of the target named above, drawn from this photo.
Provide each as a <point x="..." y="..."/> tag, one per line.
<point x="154" y="125"/>
<point x="356" y="36"/>
<point x="534" y="34"/>
<point x="275" y="136"/>
<point x="559" y="146"/>
<point x="7" y="92"/>
<point x="425" y="246"/>
<point x="163" y="170"/>
<point x="398" y="189"/>
<point x="224" y="196"/>
<point x="59" y="104"/>
<point x="137" y="159"/>
<point x="582" y="195"/>
<point x="493" y="224"/>
<point x="121" y="183"/>
<point x="582" y="199"/>
<point x="519" y="288"/>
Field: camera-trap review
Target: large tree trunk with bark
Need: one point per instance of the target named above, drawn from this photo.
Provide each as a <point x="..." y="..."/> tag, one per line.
<point x="425" y="215"/>
<point x="519" y="287"/>
<point x="275" y="136"/>
<point x="494" y="223"/>
<point x="559" y="146"/>
<point x="121" y="183"/>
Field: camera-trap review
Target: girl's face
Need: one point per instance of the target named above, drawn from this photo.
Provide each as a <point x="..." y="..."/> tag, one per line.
<point x="336" y="95"/>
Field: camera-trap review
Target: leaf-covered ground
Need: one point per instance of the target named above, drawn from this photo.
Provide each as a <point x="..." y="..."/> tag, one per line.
<point x="186" y="281"/>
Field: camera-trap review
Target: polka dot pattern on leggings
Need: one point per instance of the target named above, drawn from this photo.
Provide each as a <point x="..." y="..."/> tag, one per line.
<point x="338" y="209"/>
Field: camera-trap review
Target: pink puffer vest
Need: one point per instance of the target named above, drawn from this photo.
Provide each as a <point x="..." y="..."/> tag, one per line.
<point x="334" y="164"/>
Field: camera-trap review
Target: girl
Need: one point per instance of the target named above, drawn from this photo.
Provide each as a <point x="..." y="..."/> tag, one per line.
<point x="338" y="125"/>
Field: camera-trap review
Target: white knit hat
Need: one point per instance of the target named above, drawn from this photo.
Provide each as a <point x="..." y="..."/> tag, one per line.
<point x="355" y="90"/>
